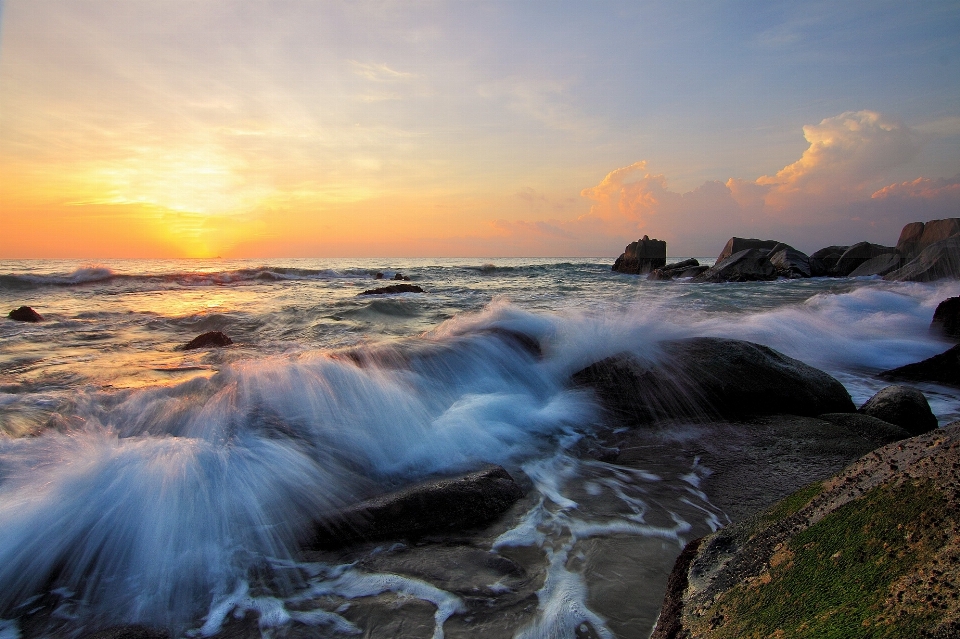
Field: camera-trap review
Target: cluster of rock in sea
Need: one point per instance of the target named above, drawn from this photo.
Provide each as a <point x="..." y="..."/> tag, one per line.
<point x="926" y="251"/>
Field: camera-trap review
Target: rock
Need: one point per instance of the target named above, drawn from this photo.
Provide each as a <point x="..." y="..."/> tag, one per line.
<point x="857" y="255"/>
<point x="641" y="256"/>
<point x="937" y="261"/>
<point x="824" y="262"/>
<point x="909" y="243"/>
<point x="378" y="276"/>
<point x="452" y="504"/>
<point x="705" y="377"/>
<point x="395" y="288"/>
<point x="873" y="547"/>
<point x="400" y="277"/>
<point x="938" y="230"/>
<point x="879" y="265"/>
<point x="211" y="339"/>
<point x="130" y="632"/>
<point x="939" y="369"/>
<point x="737" y="244"/>
<point x="25" y="314"/>
<point x="946" y="319"/>
<point x="789" y="262"/>
<point x="658" y="274"/>
<point x="904" y="406"/>
<point x="685" y="268"/>
<point x="748" y="265"/>
<point x="876" y="430"/>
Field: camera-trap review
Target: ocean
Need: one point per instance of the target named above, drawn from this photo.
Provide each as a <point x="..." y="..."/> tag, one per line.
<point x="141" y="483"/>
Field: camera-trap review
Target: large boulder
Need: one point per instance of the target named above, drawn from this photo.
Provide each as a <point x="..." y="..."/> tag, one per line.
<point x="451" y="504"/>
<point x="909" y="243"/>
<point x="879" y="265"/>
<point x="857" y="255"/>
<point x="946" y="319"/>
<point x="789" y="262"/>
<point x="939" y="369"/>
<point x="642" y="256"/>
<point x="737" y="244"/>
<point x="25" y="314"/>
<point x="904" y="406"/>
<point x="871" y="428"/>
<point x="748" y="265"/>
<point x="824" y="262"/>
<point x="938" y="230"/>
<point x="707" y="377"/>
<point x="869" y="552"/>
<point x="936" y="261"/>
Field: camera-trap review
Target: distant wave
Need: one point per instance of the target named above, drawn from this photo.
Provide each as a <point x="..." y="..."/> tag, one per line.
<point x="84" y="275"/>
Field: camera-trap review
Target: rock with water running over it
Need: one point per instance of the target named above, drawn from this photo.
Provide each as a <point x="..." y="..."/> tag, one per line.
<point x="938" y="261"/>
<point x="210" y="339"/>
<point x="395" y="288"/>
<point x="25" y="314"/>
<point x="702" y="378"/>
<point x="874" y="547"/>
<point x="939" y="369"/>
<point x="641" y="256"/>
<point x="748" y="265"/>
<point x="946" y="319"/>
<point x="904" y="406"/>
<point x="443" y="505"/>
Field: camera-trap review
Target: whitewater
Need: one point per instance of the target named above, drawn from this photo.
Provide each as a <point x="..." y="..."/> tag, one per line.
<point x="144" y="484"/>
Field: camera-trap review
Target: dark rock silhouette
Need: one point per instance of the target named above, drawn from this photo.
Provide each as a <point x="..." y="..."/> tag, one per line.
<point x="789" y="262"/>
<point x="394" y="288"/>
<point x="641" y="256"/>
<point x="25" y="314"/>
<point x="824" y="262"/>
<point x="857" y="255"/>
<point x="904" y="406"/>
<point x="211" y="339"/>
<point x="685" y="268"/>
<point x="737" y="244"/>
<point x="400" y="277"/>
<point x="946" y="319"/>
<point x="748" y="265"/>
<point x="940" y="369"/>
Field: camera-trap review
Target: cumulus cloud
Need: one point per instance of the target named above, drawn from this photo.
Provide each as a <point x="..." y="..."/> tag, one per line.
<point x="834" y="193"/>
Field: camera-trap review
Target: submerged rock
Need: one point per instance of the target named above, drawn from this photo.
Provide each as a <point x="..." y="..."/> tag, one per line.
<point x="705" y="377"/>
<point x="25" y="314"/>
<point x="641" y="256"/>
<point x="395" y="288"/>
<point x="874" y="547"/>
<point x="904" y="406"/>
<point x="211" y="339"/>
<point x="939" y="369"/>
<point x="946" y="319"/>
<point x="441" y="505"/>
<point x="748" y="265"/>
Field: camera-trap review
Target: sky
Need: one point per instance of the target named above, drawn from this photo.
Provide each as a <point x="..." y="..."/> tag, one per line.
<point x="202" y="128"/>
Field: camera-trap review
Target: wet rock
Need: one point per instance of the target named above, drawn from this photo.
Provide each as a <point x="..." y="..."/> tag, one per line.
<point x="909" y="243"/>
<point x="748" y="265"/>
<point x="873" y="547"/>
<point x="946" y="319"/>
<point x="857" y="255"/>
<point x="939" y="369"/>
<point x="442" y="505"/>
<point x="737" y="244"/>
<point x="641" y="256"/>
<point x="211" y="339"/>
<point x="25" y="314"/>
<point x="686" y="268"/>
<point x="938" y="230"/>
<point x="395" y="288"/>
<point x="130" y="632"/>
<point x="378" y="276"/>
<point x="400" y="277"/>
<point x="824" y="262"/>
<point x="706" y="377"/>
<point x="879" y="265"/>
<point x="789" y="262"/>
<point x="876" y="430"/>
<point x="937" y="261"/>
<point x="904" y="406"/>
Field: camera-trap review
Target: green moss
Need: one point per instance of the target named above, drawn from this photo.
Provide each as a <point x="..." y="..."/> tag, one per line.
<point x="792" y="503"/>
<point x="833" y="578"/>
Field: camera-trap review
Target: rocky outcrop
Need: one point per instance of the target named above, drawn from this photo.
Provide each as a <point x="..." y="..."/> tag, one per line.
<point x="686" y="268"/>
<point x="748" y="265"/>
<point x="395" y="288"/>
<point x="443" y="505"/>
<point x="937" y="261"/>
<point x="642" y="256"/>
<point x="25" y="314"/>
<point x="211" y="339"/>
<point x="904" y="406"/>
<point x="946" y="319"/>
<point x="939" y="369"/>
<point x="858" y="254"/>
<point x="879" y="265"/>
<point x="707" y="377"/>
<point x="824" y="262"/>
<point x="789" y="262"/>
<point x="909" y="243"/>
<point x="873" y="551"/>
<point x="737" y="244"/>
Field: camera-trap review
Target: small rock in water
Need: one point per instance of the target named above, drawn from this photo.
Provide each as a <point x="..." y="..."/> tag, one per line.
<point x="207" y="340"/>
<point x="400" y="277"/>
<point x="946" y="319"/>
<point x="396" y="288"/>
<point x="904" y="406"/>
<point x="25" y="314"/>
<point x="378" y="276"/>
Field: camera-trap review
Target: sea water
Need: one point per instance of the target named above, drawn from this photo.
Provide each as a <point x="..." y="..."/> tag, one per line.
<point x="141" y="483"/>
